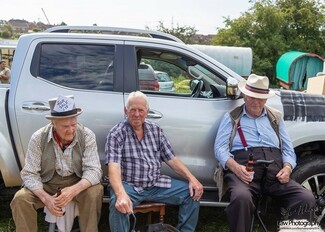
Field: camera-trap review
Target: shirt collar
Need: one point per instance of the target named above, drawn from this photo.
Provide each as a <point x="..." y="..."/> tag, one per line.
<point x="262" y="115"/>
<point x="50" y="136"/>
<point x="145" y="125"/>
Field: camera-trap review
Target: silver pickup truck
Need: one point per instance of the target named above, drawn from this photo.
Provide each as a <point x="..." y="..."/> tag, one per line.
<point x="100" y="69"/>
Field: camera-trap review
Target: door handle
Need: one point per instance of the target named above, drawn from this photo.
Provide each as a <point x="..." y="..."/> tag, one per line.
<point x="154" y="115"/>
<point x="35" y="106"/>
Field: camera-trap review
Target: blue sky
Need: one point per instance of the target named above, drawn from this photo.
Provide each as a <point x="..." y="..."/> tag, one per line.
<point x="205" y="15"/>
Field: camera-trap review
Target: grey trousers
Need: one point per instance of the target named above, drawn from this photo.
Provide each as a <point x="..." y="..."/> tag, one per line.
<point x="25" y="204"/>
<point x="295" y="201"/>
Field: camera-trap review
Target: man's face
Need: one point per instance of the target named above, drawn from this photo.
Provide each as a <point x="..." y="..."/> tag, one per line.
<point x="136" y="112"/>
<point x="3" y="65"/>
<point x="254" y="106"/>
<point x="65" y="128"/>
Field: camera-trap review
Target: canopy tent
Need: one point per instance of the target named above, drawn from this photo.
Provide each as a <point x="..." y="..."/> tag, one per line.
<point x="294" y="68"/>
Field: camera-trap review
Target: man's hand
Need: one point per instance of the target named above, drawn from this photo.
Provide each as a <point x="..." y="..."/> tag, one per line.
<point x="284" y="175"/>
<point x="196" y="189"/>
<point x="239" y="170"/>
<point x="53" y="207"/>
<point x="49" y="201"/>
<point x="124" y="204"/>
<point x="67" y="195"/>
<point x="241" y="173"/>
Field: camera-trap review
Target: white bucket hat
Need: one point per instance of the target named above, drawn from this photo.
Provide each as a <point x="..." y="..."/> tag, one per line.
<point x="256" y="86"/>
<point x="63" y="107"/>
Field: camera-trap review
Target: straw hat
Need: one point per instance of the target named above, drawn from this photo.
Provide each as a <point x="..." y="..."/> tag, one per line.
<point x="256" y="86"/>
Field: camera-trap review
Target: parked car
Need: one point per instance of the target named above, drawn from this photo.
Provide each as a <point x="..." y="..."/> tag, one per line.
<point x="147" y="78"/>
<point x="166" y="83"/>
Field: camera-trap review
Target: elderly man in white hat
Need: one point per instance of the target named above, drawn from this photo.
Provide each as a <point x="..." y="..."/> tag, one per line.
<point x="254" y="128"/>
<point x="62" y="155"/>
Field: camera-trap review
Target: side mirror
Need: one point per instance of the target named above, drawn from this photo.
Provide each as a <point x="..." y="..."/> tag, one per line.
<point x="232" y="88"/>
<point x="193" y="83"/>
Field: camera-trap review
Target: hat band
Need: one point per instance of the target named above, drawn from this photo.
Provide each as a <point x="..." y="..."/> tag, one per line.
<point x="66" y="113"/>
<point x="257" y="90"/>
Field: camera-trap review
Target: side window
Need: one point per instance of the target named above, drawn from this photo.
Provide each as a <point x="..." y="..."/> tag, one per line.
<point x="166" y="72"/>
<point x="79" y="66"/>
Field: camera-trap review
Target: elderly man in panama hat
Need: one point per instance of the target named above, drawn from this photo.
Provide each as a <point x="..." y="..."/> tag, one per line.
<point x="63" y="155"/>
<point x="254" y="128"/>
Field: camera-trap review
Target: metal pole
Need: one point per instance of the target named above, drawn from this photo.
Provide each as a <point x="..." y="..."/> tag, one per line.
<point x="46" y="17"/>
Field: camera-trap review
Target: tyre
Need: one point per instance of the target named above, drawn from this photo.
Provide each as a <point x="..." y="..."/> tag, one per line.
<point x="310" y="173"/>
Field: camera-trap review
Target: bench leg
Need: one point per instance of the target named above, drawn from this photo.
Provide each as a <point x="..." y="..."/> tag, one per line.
<point x="149" y="218"/>
<point x="162" y="214"/>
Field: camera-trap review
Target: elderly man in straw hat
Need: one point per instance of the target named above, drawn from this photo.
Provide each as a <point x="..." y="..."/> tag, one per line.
<point x="64" y="155"/>
<point x="254" y="128"/>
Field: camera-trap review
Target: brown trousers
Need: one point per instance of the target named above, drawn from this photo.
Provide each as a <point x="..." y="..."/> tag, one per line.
<point x="25" y="204"/>
<point x="295" y="201"/>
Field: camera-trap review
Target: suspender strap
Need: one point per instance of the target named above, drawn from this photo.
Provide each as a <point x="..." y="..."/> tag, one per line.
<point x="241" y="135"/>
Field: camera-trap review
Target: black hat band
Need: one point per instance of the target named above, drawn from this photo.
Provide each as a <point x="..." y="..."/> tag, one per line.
<point x="66" y="113"/>
<point x="257" y="90"/>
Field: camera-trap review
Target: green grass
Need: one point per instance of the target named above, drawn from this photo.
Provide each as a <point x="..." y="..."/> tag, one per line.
<point x="6" y="222"/>
<point x="210" y="220"/>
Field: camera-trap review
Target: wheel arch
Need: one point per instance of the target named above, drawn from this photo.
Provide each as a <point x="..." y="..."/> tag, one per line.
<point x="309" y="149"/>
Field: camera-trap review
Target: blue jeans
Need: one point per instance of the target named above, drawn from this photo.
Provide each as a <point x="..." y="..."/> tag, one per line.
<point x="178" y="194"/>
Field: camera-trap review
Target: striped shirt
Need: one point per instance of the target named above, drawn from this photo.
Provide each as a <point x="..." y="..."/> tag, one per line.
<point x="140" y="161"/>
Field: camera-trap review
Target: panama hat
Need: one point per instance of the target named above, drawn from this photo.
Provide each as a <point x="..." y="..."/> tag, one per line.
<point x="256" y="86"/>
<point x="63" y="107"/>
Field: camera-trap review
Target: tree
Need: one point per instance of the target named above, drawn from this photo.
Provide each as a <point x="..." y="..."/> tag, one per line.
<point x="7" y="32"/>
<point x="37" y="29"/>
<point x="272" y="28"/>
<point x="184" y="33"/>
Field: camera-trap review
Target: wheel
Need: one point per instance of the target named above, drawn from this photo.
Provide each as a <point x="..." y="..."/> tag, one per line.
<point x="310" y="173"/>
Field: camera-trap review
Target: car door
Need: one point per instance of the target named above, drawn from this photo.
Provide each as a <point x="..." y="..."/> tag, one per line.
<point x="89" y="69"/>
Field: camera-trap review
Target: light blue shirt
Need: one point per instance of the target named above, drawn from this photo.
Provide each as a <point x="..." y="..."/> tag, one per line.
<point x="258" y="132"/>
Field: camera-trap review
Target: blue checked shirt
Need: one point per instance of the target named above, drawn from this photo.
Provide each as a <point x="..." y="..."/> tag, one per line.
<point x="140" y="161"/>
